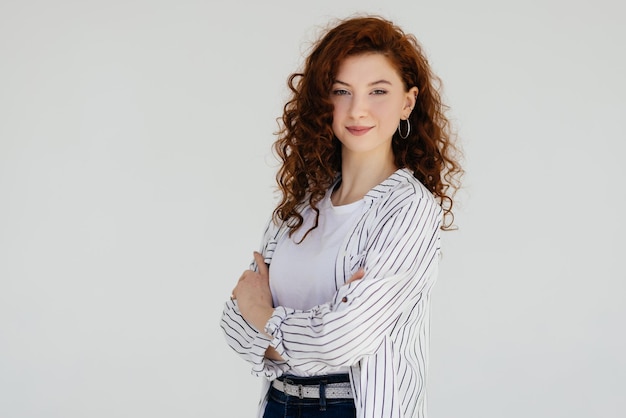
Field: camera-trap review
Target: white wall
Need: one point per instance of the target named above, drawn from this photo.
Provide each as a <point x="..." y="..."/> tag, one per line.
<point x="136" y="176"/>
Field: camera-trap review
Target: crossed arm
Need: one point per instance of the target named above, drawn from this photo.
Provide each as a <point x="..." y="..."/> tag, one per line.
<point x="254" y="298"/>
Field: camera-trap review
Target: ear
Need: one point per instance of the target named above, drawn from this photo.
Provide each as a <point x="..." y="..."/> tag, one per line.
<point x="411" y="98"/>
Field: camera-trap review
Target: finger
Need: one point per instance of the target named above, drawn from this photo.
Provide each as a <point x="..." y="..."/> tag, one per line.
<point x="358" y="275"/>
<point x="260" y="262"/>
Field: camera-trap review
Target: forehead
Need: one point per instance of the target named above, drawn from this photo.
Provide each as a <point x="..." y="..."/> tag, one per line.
<point x="367" y="67"/>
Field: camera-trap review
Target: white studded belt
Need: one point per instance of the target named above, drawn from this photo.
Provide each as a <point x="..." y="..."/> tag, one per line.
<point x="331" y="390"/>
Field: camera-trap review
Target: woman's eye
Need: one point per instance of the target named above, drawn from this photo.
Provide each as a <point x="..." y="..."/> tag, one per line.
<point x="379" y="91"/>
<point x="340" y="92"/>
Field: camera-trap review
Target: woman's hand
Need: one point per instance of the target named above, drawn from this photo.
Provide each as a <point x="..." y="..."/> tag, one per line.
<point x="358" y="275"/>
<point x="253" y="294"/>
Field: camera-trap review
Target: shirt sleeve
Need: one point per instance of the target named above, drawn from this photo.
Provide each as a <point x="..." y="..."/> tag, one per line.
<point x="401" y="256"/>
<point x="243" y="338"/>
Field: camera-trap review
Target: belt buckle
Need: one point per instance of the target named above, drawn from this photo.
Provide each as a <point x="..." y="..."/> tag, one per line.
<point x="291" y="383"/>
<point x="285" y="386"/>
<point x="285" y="383"/>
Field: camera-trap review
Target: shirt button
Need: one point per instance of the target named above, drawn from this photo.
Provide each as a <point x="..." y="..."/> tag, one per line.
<point x="344" y="299"/>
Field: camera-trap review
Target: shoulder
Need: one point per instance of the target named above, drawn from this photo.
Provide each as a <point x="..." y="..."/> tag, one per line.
<point x="403" y="190"/>
<point x="400" y="200"/>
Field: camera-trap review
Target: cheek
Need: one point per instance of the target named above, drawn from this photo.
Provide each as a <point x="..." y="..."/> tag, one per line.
<point x="339" y="111"/>
<point x="387" y="112"/>
<point x="339" y="107"/>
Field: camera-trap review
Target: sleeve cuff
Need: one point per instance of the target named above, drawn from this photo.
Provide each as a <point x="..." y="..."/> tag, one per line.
<point x="272" y="328"/>
<point x="262" y="366"/>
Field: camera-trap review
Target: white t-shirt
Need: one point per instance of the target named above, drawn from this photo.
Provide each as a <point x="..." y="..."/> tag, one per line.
<point x="303" y="275"/>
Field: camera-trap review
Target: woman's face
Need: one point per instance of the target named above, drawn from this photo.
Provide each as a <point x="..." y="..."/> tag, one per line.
<point x="369" y="100"/>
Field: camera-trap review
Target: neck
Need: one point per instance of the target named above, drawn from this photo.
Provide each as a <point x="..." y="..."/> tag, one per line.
<point x="359" y="176"/>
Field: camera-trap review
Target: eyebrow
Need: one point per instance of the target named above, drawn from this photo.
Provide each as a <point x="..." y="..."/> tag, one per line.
<point x="373" y="83"/>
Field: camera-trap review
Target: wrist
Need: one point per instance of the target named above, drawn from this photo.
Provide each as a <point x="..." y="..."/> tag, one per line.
<point x="257" y="315"/>
<point x="261" y="316"/>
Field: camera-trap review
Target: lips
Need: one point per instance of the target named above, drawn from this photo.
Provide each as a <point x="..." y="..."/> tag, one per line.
<point x="358" y="130"/>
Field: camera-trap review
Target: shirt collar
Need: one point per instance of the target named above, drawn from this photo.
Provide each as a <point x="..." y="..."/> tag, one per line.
<point x="402" y="175"/>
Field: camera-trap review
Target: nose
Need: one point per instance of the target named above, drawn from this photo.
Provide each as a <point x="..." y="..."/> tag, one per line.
<point x="358" y="106"/>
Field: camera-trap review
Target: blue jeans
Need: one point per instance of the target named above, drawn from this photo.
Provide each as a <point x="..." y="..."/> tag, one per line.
<point x="280" y="405"/>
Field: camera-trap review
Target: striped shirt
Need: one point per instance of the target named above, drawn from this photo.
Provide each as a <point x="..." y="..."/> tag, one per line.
<point x="377" y="326"/>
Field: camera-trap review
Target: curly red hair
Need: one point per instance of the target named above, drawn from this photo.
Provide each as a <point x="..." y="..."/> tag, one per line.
<point x="307" y="146"/>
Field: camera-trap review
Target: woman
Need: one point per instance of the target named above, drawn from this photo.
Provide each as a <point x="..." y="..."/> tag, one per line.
<point x="334" y="311"/>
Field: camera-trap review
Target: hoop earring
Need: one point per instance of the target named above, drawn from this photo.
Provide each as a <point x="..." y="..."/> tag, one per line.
<point x="408" y="129"/>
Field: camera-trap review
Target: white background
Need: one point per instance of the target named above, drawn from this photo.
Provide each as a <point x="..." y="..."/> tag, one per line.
<point x="136" y="176"/>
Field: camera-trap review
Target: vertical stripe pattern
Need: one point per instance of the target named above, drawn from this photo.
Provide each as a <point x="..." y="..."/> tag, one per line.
<point x="378" y="326"/>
